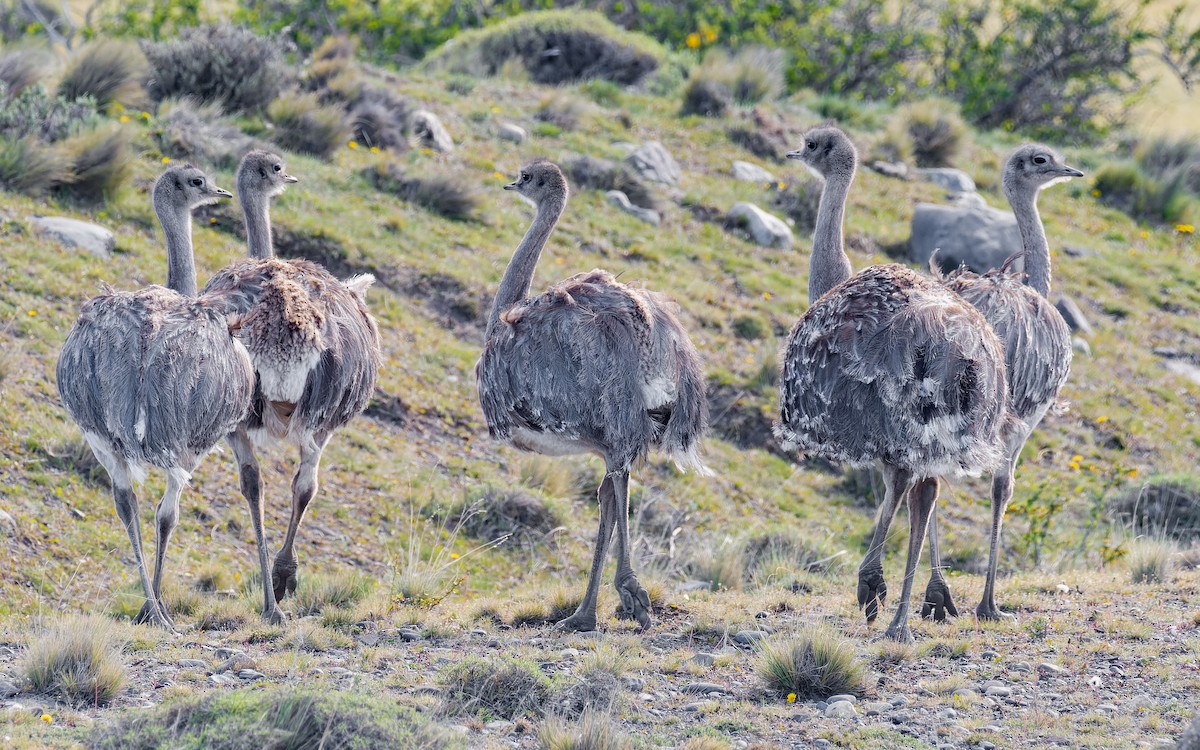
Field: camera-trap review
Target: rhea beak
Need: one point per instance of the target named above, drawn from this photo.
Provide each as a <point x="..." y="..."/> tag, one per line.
<point x="794" y="154"/>
<point x="289" y="178"/>
<point x="221" y="192"/>
<point x="511" y="186"/>
<point x="1071" y="172"/>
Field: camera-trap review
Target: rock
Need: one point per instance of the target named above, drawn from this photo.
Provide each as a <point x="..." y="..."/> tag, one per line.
<point x="876" y="708"/>
<point x="946" y="714"/>
<point x="954" y="180"/>
<point x="1080" y="344"/>
<point x="1049" y="668"/>
<point x="990" y="655"/>
<point x="621" y="201"/>
<point x="704" y="660"/>
<point x="749" y="637"/>
<point x="481" y="631"/>
<point x="1106" y="708"/>
<point x="430" y="131"/>
<point x="1190" y="739"/>
<point x="499" y="725"/>
<point x="899" y="701"/>
<point x="223" y="679"/>
<point x="226" y="653"/>
<point x="427" y="690"/>
<point x="998" y="691"/>
<point x="8" y="524"/>
<point x="633" y="682"/>
<point x="75" y="233"/>
<point x="747" y="172"/>
<point x="847" y="698"/>
<point x="8" y="689"/>
<point x="251" y="674"/>
<point x="1143" y="702"/>
<point x="704" y="688"/>
<point x="192" y="664"/>
<point x="653" y="162"/>
<point x="898" y="170"/>
<point x="645" y="698"/>
<point x="235" y="663"/>
<point x="569" y="653"/>
<point x="765" y="229"/>
<point x="841" y="710"/>
<point x="700" y="706"/>
<point x="822" y="742"/>
<point x="1073" y="315"/>
<point x="513" y="133"/>
<point x="965" y="694"/>
<point x="980" y="238"/>
<point x="690" y="586"/>
<point x="899" y="717"/>
<point x="1022" y="666"/>
<point x="410" y="635"/>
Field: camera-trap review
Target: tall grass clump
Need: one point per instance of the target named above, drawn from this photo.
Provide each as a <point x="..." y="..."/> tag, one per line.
<point x="517" y="518"/>
<point x="222" y="64"/>
<point x="752" y="74"/>
<point x="22" y="68"/>
<point x="188" y="129"/>
<point x="722" y="568"/>
<point x="1151" y="561"/>
<point x="454" y="195"/>
<point x="317" y="593"/>
<point x="934" y="130"/>
<point x="1165" y="157"/>
<point x="105" y="70"/>
<point x="27" y="166"/>
<point x="814" y="664"/>
<point x="499" y="687"/>
<point x="594" y="731"/>
<point x="588" y="45"/>
<point x="99" y="162"/>
<point x="304" y="125"/>
<point x="1125" y="187"/>
<point x="77" y="660"/>
<point x="705" y="97"/>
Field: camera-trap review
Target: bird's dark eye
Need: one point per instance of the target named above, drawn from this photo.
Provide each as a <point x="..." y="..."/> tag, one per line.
<point x="812" y="145"/>
<point x="524" y="177"/>
<point x="198" y="181"/>
<point x="278" y="167"/>
<point x="1039" y="160"/>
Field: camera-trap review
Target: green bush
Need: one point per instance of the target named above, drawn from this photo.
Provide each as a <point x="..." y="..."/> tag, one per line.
<point x="934" y="129"/>
<point x="1166" y="157"/>
<point x="814" y="664"/>
<point x="304" y="125"/>
<point x="35" y="114"/>
<point x="200" y="133"/>
<point x="587" y="44"/>
<point x="151" y="19"/>
<point x="750" y="327"/>
<point x="1126" y="188"/>
<point x="451" y="194"/>
<point x="28" y="166"/>
<point x="105" y="70"/>
<point x="221" y="64"/>
<point x="99" y="162"/>
<point x="564" y="111"/>
<point x="702" y="96"/>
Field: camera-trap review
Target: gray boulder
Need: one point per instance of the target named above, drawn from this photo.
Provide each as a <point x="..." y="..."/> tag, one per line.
<point x="514" y="133"/>
<point x="1190" y="739"/>
<point x="747" y="172"/>
<point x="954" y="180"/>
<point x="75" y="233"/>
<point x="430" y="131"/>
<point x="8" y="524"/>
<point x="652" y="161"/>
<point x="894" y="169"/>
<point x="767" y="230"/>
<point x="1073" y="315"/>
<point x="981" y="238"/>
<point x="621" y="201"/>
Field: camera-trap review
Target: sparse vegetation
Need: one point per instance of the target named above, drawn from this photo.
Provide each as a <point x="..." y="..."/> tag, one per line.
<point x="811" y="665"/>
<point x="517" y="518"/>
<point x="78" y="661"/>
<point x="751" y="75"/>
<point x="105" y="71"/>
<point x="935" y="130"/>
<point x="498" y="687"/>
<point x="99" y="163"/>
<point x="224" y="65"/>
<point x="1151" y="561"/>
<point x="705" y="97"/>
<point x="450" y="194"/>
<point x="306" y="126"/>
<point x="594" y="731"/>
<point x="199" y="132"/>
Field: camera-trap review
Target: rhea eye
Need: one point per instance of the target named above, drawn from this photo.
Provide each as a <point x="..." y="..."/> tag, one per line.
<point x="812" y="145"/>
<point x="278" y="167"/>
<point x="1039" y="160"/>
<point x="198" y="181"/>
<point x="524" y="176"/>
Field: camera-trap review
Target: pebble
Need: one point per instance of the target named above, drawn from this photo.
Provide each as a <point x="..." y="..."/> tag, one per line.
<point x="478" y="631"/>
<point x="228" y="653"/>
<point x="1107" y="708"/>
<point x="899" y="701"/>
<point x="947" y="714"/>
<point x="645" y="698"/>
<point x="410" y="635"/>
<point x="1022" y="666"/>
<point x="704" y="660"/>
<point x="847" y="698"/>
<point x="192" y="664"/>
<point x="633" y="682"/>
<point x="8" y="524"/>
<point x="251" y="674"/>
<point x="990" y="655"/>
<point x="500" y="725"/>
<point x="1050" y="668"/>
<point x="749" y="637"/>
<point x="991" y="728"/>
<point x="841" y="710"/>
<point x="740" y="745"/>
<point x="999" y="691"/>
<point x="877" y="708"/>
<point x="8" y="689"/>
<point x="900" y="717"/>
<point x="700" y="706"/>
<point x="966" y="694"/>
<point x="822" y="742"/>
<point x="704" y="688"/>
<point x="513" y="133"/>
<point x="569" y="653"/>
<point x="222" y="679"/>
<point x="985" y="745"/>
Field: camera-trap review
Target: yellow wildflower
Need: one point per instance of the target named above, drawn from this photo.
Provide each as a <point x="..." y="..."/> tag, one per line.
<point x="454" y="555"/>
<point x="1145" y="234"/>
<point x="710" y="35"/>
<point x="1101" y="419"/>
<point x="1184" y="228"/>
<point x="374" y="149"/>
<point x="495" y="110"/>
<point x="1096" y="193"/>
<point x="166" y="160"/>
<point x="145" y="116"/>
<point x="791" y="698"/>
<point x="782" y="185"/>
<point x="1133" y="473"/>
<point x="692" y="41"/>
<point x="33" y="313"/>
<point x="766" y="295"/>
<point x="353" y="144"/>
<point x="47" y="718"/>
<point x="498" y="175"/>
<point x="123" y="118"/>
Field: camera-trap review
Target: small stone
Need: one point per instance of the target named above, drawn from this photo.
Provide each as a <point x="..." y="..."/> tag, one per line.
<point x="704" y="688"/>
<point x="749" y="637"/>
<point x="513" y="133"/>
<point x="876" y="708"/>
<point x="1049" y="668"/>
<point x="966" y="694"/>
<point x="899" y="717"/>
<point x="703" y="659"/>
<point x="765" y="229"/>
<point x="430" y="131"/>
<point x="847" y="698"/>
<point x="251" y="674"/>
<point x="633" y="682"/>
<point x="998" y="691"/>
<point x="990" y="655"/>
<point x="700" y="706"/>
<point x="569" y="653"/>
<point x="369" y="639"/>
<point x="478" y="631"/>
<point x="991" y="728"/>
<point x="985" y="745"/>
<point x="499" y="725"/>
<point x="645" y="698"/>
<point x="222" y="679"/>
<point x="899" y="701"/>
<point x="689" y="586"/>
<point x="1073" y="315"/>
<point x="75" y="233"/>
<point x="1107" y="708"/>
<point x="192" y="664"/>
<point x="1143" y="702"/>
<point x="8" y="689"/>
<point x="822" y="742"/>
<point x="740" y="745"/>
<point x="655" y="163"/>
<point x="410" y="635"/>
<point x="841" y="710"/>
<point x="954" y="180"/>
<point x="1022" y="666"/>
<point x="747" y="172"/>
<point x="1062" y="587"/>
<point x="226" y="653"/>
<point x="946" y="714"/>
<point x="621" y="201"/>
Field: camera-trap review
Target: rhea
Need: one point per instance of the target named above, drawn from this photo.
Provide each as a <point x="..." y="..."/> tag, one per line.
<point x="315" y="351"/>
<point x="589" y="366"/>
<point x="889" y="367"/>
<point x="1036" y="339"/>
<point x="155" y="378"/>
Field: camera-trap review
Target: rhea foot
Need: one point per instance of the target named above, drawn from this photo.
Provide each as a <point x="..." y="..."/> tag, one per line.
<point x="987" y="610"/>
<point x="872" y="592"/>
<point x="899" y="633"/>
<point x="937" y="601"/>
<point x="283" y="577"/>
<point x="273" y="616"/>
<point x="577" y="623"/>
<point x="154" y="613"/>
<point x="635" y="602"/>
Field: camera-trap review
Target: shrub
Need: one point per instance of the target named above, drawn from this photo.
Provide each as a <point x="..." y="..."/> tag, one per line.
<point x="316" y="593"/>
<point x="800" y="199"/>
<point x="275" y="718"/>
<point x="221" y="64"/>
<point x="1151" y="561"/>
<point x="27" y="166"/>
<point x="563" y="111"/>
<point x="813" y="665"/>
<point x="751" y="75"/>
<point x="707" y="98"/>
<point x="502" y="687"/>
<point x="750" y="327"/>
<point x="1166" y="157"/>
<point x="1162" y="506"/>
<point x="22" y="68"/>
<point x="34" y="113"/>
<point x="587" y="44"/>
<point x="99" y="162"/>
<point x="594" y="731"/>
<point x="934" y="128"/>
<point x="772" y="555"/>
<point x="304" y="125"/>
<point x="451" y="194"/>
<point x="1124" y="187"/>
<point x="104" y="71"/>
<point x="593" y="689"/>
<point x="523" y="518"/>
<point x="380" y="118"/>
<point x="77" y="660"/>
<point x="763" y="144"/>
<point x="591" y="173"/>
<point x="198" y="132"/>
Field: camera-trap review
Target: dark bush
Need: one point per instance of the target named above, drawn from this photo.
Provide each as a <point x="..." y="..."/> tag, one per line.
<point x="761" y="144"/>
<point x="451" y="194"/>
<point x="106" y="70"/>
<point x="496" y="513"/>
<point x="375" y="123"/>
<point x="27" y="166"/>
<point x="34" y="113"/>
<point x="1165" y="506"/>
<point x="21" y="68"/>
<point x="935" y="130"/>
<point x="99" y="162"/>
<point x="223" y="64"/>
<point x="304" y="125"/>
<point x="752" y="75"/>
<point x="591" y="173"/>
<point x="704" y="97"/>
<point x="199" y="132"/>
<point x="750" y="327"/>
<point x="1124" y="187"/>
<point x="555" y="46"/>
<point x="1165" y="157"/>
<point x="563" y="111"/>
<point x="506" y="687"/>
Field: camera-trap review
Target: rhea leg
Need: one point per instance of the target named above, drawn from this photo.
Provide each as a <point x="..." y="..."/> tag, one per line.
<point x="251" y="490"/>
<point x="304" y="487"/>
<point x="166" y="517"/>
<point x="1001" y="495"/>
<point x="921" y="500"/>
<point x="635" y="602"/>
<point x="584" y="618"/>
<point x="938" y="602"/>
<point x="872" y="591"/>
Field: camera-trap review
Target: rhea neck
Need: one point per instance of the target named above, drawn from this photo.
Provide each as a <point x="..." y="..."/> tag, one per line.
<point x="830" y="265"/>
<point x="256" y="208"/>
<point x="181" y="261"/>
<point x="1033" y="238"/>
<point x="514" y="287"/>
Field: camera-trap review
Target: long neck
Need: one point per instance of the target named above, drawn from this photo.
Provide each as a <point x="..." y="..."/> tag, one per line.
<point x="514" y="287"/>
<point x="181" y="261"/>
<point x="1033" y="238"/>
<point x="830" y="266"/>
<point x="257" y="213"/>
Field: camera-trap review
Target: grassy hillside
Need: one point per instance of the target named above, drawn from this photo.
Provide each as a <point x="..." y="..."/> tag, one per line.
<point x="378" y="555"/>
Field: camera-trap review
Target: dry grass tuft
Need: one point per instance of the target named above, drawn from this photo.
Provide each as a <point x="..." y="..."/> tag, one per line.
<point x="814" y="664"/>
<point x="304" y="125"/>
<point x="500" y="687"/>
<point x="594" y="731"/>
<point x="78" y="660"/>
<point x="100" y="161"/>
<point x="516" y="517"/>
<point x="1151" y="561"/>
<point x="315" y="594"/>
<point x="722" y="567"/>
<point x="105" y="70"/>
<point x="705" y="743"/>
<point x="454" y="195"/>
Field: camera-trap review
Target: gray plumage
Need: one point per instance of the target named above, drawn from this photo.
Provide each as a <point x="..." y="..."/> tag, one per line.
<point x="315" y="350"/>
<point x="887" y="366"/>
<point x="154" y="377"/>
<point x="1036" y="339"/>
<point x="590" y="366"/>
